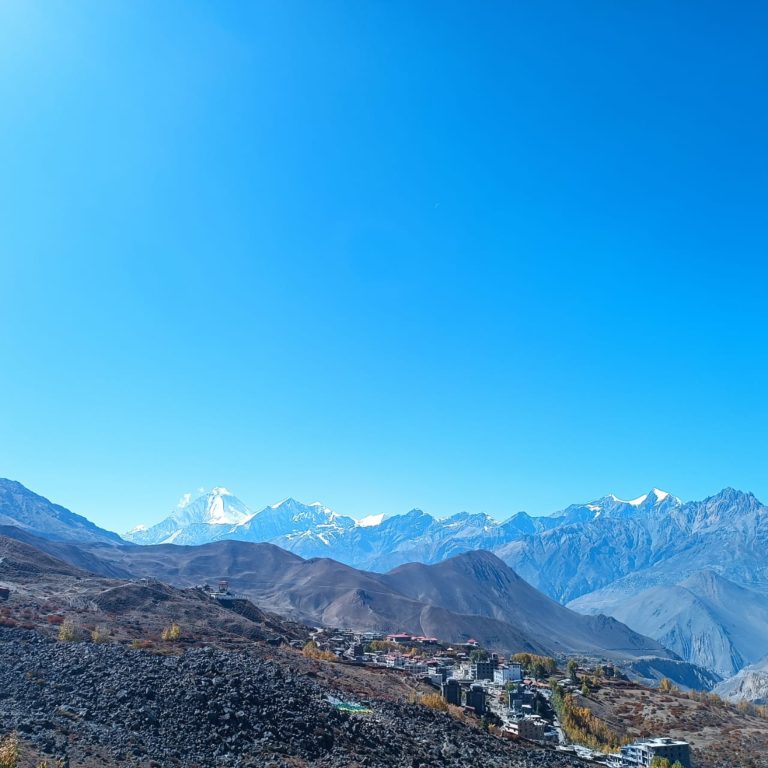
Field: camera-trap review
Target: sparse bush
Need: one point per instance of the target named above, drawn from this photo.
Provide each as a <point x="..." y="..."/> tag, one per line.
<point x="434" y="701"/>
<point x="55" y="619"/>
<point x="311" y="651"/>
<point x="9" y="751"/>
<point x="140" y="645"/>
<point x="665" y="685"/>
<point x="382" y="645"/>
<point x="100" y="635"/>
<point x="67" y="631"/>
<point x="171" y="634"/>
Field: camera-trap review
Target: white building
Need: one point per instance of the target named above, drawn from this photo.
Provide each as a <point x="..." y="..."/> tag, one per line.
<point x="511" y="673"/>
<point x="640" y="754"/>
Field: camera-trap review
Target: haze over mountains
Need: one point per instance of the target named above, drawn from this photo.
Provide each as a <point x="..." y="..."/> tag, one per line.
<point x="691" y="575"/>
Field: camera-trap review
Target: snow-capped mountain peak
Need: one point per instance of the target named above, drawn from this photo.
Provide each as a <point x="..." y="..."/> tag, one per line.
<point x="654" y="496"/>
<point x="137" y="529"/>
<point x="195" y="521"/>
<point x="217" y="507"/>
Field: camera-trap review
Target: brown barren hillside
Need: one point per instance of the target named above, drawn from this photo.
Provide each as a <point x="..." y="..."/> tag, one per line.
<point x="721" y="734"/>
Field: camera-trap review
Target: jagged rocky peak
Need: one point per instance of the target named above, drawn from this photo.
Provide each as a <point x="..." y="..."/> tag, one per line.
<point x="612" y="506"/>
<point x="298" y="510"/>
<point x="731" y="501"/>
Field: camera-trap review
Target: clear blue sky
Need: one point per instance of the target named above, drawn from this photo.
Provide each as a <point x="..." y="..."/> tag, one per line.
<point x="484" y="256"/>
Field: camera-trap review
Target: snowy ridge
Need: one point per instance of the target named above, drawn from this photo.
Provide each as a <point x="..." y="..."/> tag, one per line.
<point x="373" y="541"/>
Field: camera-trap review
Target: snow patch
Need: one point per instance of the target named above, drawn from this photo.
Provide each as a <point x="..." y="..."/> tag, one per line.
<point x="634" y="502"/>
<point x="657" y="493"/>
<point x="137" y="529"/>
<point x="370" y="521"/>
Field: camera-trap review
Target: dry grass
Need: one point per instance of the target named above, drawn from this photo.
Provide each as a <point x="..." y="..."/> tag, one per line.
<point x="9" y="751"/>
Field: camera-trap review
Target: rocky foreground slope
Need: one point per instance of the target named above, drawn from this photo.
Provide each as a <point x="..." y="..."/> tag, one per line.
<point x="112" y="705"/>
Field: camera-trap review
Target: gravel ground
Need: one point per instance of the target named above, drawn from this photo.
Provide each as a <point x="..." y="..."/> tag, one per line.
<point x="112" y="705"/>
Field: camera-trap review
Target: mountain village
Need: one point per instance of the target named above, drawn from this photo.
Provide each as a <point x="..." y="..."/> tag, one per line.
<point x="513" y="695"/>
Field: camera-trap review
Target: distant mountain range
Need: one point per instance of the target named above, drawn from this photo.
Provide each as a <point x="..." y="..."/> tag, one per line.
<point x="375" y="542"/>
<point x="672" y="570"/>
<point x="691" y="575"/>
<point x="472" y="596"/>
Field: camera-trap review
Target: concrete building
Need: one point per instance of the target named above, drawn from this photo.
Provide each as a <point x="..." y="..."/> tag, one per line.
<point x="451" y="691"/>
<point x="533" y="728"/>
<point x="640" y="754"/>
<point x="475" y="698"/>
<point x="482" y="670"/>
